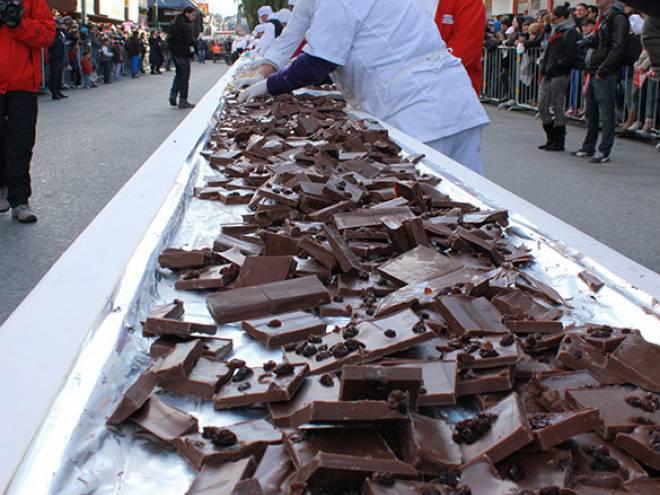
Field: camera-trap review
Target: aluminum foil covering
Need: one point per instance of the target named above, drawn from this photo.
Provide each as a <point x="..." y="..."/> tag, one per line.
<point x="75" y="453"/>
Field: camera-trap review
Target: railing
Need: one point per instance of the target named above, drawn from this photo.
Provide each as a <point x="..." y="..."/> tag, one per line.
<point x="511" y="80"/>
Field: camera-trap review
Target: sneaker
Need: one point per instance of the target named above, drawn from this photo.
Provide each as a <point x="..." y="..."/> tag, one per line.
<point x="4" y="204"/>
<point x="582" y="154"/>
<point x="23" y="214"/>
<point x="183" y="104"/>
<point x="600" y="158"/>
<point x="634" y="127"/>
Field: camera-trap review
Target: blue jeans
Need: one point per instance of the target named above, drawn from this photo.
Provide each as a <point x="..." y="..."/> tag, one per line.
<point x="201" y="54"/>
<point x="601" y="107"/>
<point x="135" y="65"/>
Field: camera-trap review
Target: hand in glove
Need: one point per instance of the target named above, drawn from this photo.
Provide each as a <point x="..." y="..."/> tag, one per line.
<point x="244" y="82"/>
<point x="254" y="91"/>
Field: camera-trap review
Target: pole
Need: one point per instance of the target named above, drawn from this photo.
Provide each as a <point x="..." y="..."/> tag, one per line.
<point x="83" y="11"/>
<point x="157" y="22"/>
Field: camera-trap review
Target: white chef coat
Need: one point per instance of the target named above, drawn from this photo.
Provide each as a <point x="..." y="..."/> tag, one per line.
<point x="267" y="39"/>
<point x="394" y="65"/>
<point x="283" y="48"/>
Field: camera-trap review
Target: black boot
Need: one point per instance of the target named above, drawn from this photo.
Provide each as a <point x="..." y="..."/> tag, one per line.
<point x="559" y="134"/>
<point x="548" y="128"/>
<point x="173" y="100"/>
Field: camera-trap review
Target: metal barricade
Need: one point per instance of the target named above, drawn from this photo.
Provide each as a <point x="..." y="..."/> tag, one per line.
<point x="512" y="80"/>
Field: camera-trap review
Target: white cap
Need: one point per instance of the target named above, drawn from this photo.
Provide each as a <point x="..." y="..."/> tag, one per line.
<point x="260" y="28"/>
<point x="265" y="10"/>
<point x="283" y="15"/>
<point x="636" y="24"/>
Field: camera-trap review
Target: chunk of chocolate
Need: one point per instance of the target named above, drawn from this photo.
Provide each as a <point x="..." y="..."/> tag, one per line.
<point x="482" y="352"/>
<point x="643" y="443"/>
<point x="439" y="382"/>
<point x="205" y="379"/>
<point x="622" y="409"/>
<point x="594" y="283"/>
<point x="419" y="264"/>
<point x="222" y="479"/>
<point x="225" y="195"/>
<point x="368" y="344"/>
<point x="471" y="315"/>
<point x="319" y="252"/>
<point x="252" y="438"/>
<point x="483" y="381"/>
<point x="259" y="270"/>
<point x="369" y="218"/>
<point x="637" y="361"/>
<point x="516" y="305"/>
<point x="271" y="298"/>
<point x="601" y="464"/>
<point x="577" y="354"/>
<point x="274" y="470"/>
<point x="215" y="277"/>
<point x="642" y="486"/>
<point x="550" y="391"/>
<point x="166" y="320"/>
<point x="508" y="431"/>
<point x="331" y="458"/>
<point x="538" y="470"/>
<point x="481" y="477"/>
<point x="259" y="387"/>
<point x="162" y="422"/>
<point x="317" y="401"/>
<point x="426" y="444"/>
<point x="177" y="364"/>
<point x="181" y="259"/>
<point x="550" y="429"/>
<point x="378" y="382"/>
<point x="213" y="347"/>
<point x="134" y="397"/>
<point x="342" y="252"/>
<point x="283" y="329"/>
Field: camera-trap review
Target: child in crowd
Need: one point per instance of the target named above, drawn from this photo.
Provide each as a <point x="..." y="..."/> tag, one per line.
<point x="87" y="71"/>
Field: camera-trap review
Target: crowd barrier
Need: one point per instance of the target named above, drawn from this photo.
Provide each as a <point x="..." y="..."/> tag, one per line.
<point x="512" y="79"/>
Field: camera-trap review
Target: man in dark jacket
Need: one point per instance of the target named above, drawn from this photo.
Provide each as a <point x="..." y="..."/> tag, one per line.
<point x="182" y="46"/>
<point x="155" y="53"/>
<point x="561" y="56"/>
<point x="56" y="54"/>
<point x="603" y="67"/>
<point x="23" y="33"/>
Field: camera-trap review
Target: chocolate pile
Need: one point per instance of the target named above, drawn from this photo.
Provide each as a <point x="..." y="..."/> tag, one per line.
<point x="435" y="308"/>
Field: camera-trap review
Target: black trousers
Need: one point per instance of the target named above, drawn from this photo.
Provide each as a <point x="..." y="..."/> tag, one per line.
<point x="18" y="123"/>
<point x="181" y="78"/>
<point x="55" y="72"/>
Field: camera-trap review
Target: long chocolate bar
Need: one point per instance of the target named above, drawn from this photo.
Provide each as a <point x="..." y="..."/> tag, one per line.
<point x="271" y="298"/>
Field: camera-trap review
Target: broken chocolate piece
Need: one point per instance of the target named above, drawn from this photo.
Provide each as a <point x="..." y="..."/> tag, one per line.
<point x="177" y="364"/>
<point x="471" y="315"/>
<point x="163" y="422"/>
<point x="264" y="386"/>
<point x="284" y="329"/>
<point x="205" y="379"/>
<point x="377" y="382"/>
<point x="222" y="479"/>
<point x="643" y="443"/>
<point x="427" y="445"/>
<point x="550" y="429"/>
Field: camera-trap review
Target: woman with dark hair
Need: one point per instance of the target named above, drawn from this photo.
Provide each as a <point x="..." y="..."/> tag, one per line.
<point x="155" y="53"/>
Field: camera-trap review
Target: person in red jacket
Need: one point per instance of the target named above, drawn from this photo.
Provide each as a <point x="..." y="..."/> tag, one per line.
<point x="26" y="26"/>
<point x="462" y="25"/>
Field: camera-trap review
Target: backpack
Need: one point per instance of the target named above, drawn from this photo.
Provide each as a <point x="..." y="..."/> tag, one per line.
<point x="279" y="27"/>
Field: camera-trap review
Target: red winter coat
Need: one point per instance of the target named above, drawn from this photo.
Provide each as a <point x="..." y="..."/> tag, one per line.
<point x="20" y="48"/>
<point x="462" y="25"/>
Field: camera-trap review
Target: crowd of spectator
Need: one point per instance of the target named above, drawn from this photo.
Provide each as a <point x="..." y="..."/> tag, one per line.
<point x="524" y="40"/>
<point x="85" y="56"/>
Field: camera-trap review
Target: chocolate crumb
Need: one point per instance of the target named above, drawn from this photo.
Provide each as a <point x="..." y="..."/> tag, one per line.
<point x="471" y="430"/>
<point x="283" y="369"/>
<point x="222" y="437"/>
<point x="274" y="323"/>
<point x="269" y="365"/>
<point x="485" y="353"/>
<point x="242" y="373"/>
<point x="322" y="355"/>
<point x="244" y="386"/>
<point x="327" y="380"/>
<point x="507" y="340"/>
<point x="389" y="333"/>
<point x="309" y="350"/>
<point x="350" y="332"/>
<point x="516" y="473"/>
<point x="384" y="479"/>
<point x="398" y="401"/>
<point x="419" y="327"/>
<point x="236" y="363"/>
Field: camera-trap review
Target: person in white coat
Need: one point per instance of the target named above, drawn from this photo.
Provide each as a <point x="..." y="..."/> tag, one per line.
<point x="389" y="60"/>
<point x="265" y="14"/>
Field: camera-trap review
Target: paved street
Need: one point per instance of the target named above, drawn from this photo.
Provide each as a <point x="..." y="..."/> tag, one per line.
<point x="88" y="146"/>
<point x="91" y="144"/>
<point x="617" y="204"/>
